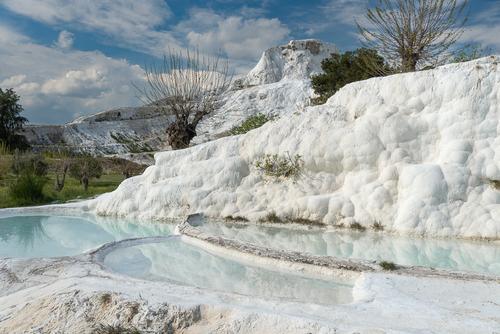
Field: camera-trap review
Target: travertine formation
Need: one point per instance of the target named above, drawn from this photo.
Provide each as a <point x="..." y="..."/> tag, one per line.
<point x="417" y="153"/>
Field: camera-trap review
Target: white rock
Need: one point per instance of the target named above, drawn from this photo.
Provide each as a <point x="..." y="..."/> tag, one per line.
<point x="415" y="152"/>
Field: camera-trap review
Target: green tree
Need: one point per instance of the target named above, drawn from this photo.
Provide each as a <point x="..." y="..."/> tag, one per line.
<point x="84" y="169"/>
<point x="342" y="69"/>
<point x="11" y="121"/>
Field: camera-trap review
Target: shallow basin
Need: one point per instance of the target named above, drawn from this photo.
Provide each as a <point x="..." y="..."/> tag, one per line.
<point x="52" y="236"/>
<point x="179" y="263"/>
<point x="453" y="254"/>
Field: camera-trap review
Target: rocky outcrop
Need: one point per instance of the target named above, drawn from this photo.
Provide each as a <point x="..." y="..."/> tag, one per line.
<point x="278" y="85"/>
<point x="416" y="153"/>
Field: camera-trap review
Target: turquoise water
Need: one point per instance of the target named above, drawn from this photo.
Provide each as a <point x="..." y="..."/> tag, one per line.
<point x="177" y="262"/>
<point x="52" y="236"/>
<point x="462" y="255"/>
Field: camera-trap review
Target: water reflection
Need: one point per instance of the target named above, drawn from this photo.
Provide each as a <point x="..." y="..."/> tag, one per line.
<point x="50" y="236"/>
<point x="25" y="231"/>
<point x="177" y="262"/>
<point x="461" y="255"/>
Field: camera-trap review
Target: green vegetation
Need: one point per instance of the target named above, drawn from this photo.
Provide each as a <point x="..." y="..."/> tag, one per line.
<point x="25" y="188"/>
<point x="252" y="122"/>
<point x="495" y="184"/>
<point x="303" y="221"/>
<point x="28" y="189"/>
<point x="277" y="166"/>
<point x="273" y="218"/>
<point x="342" y="69"/>
<point x="105" y="298"/>
<point x="357" y="226"/>
<point x="236" y="219"/>
<point x="389" y="266"/>
<point x="11" y="121"/>
<point x="85" y="168"/>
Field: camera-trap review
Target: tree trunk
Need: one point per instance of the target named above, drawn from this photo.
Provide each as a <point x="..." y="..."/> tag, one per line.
<point x="410" y="62"/>
<point x="85" y="181"/>
<point x="60" y="183"/>
<point x="180" y="134"/>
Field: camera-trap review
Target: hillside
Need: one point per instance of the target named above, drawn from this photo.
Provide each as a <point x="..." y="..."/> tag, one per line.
<point x="416" y="153"/>
<point x="279" y="84"/>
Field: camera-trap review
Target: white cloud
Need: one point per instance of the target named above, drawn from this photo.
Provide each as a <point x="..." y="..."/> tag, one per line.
<point x="65" y="40"/>
<point x="242" y="39"/>
<point x="58" y="85"/>
<point x="484" y="28"/>
<point x="130" y="23"/>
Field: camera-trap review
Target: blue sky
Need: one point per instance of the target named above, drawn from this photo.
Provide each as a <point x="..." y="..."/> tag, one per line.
<point x="68" y="58"/>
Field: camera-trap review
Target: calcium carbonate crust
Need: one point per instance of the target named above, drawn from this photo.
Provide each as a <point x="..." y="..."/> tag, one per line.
<point x="417" y="153"/>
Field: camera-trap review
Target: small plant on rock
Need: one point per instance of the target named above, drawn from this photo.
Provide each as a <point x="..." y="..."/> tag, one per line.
<point x="389" y="266"/>
<point x="277" y="166"/>
<point x="273" y="218"/>
<point x="357" y="227"/>
<point x="495" y="184"/>
<point x="377" y="226"/>
<point x="251" y="123"/>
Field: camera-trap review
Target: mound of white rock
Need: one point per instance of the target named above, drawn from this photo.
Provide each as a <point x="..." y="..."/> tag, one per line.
<point x="417" y="153"/>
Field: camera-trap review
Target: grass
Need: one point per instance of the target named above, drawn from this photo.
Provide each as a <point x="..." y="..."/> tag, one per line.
<point x="389" y="266"/>
<point x="277" y="166"/>
<point x="303" y="221"/>
<point x="72" y="190"/>
<point x="357" y="227"/>
<point x="495" y="184"/>
<point x="252" y="122"/>
<point x="273" y="218"/>
<point x="236" y="219"/>
<point x="105" y="298"/>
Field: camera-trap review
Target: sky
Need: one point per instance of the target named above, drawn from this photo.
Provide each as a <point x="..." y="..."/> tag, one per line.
<point x="69" y="58"/>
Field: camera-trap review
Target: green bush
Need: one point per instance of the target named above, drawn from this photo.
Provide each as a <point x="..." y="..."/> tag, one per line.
<point x="252" y="122"/>
<point x="280" y="166"/>
<point x="4" y="149"/>
<point x="470" y="52"/>
<point x="29" y="163"/>
<point x="28" y="189"/>
<point x="342" y="69"/>
<point x="84" y="169"/>
<point x="389" y="266"/>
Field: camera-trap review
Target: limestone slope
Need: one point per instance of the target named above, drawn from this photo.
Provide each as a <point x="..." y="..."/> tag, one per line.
<point x="417" y="153"/>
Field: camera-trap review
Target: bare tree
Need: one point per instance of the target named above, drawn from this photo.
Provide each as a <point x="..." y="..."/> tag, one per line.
<point x="188" y="86"/>
<point x="61" y="169"/>
<point x="411" y="34"/>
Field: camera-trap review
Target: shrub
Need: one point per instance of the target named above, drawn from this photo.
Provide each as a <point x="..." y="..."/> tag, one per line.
<point x="357" y="226"/>
<point x="495" y="184"/>
<point x="85" y="168"/>
<point x="236" y="219"/>
<point x="280" y="166"/>
<point x="28" y="188"/>
<point x="303" y="221"/>
<point x="272" y="217"/>
<point x="4" y="149"/>
<point x="377" y="226"/>
<point x="470" y="52"/>
<point x="389" y="266"/>
<point x="342" y="69"/>
<point x="29" y="163"/>
<point x="251" y="123"/>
